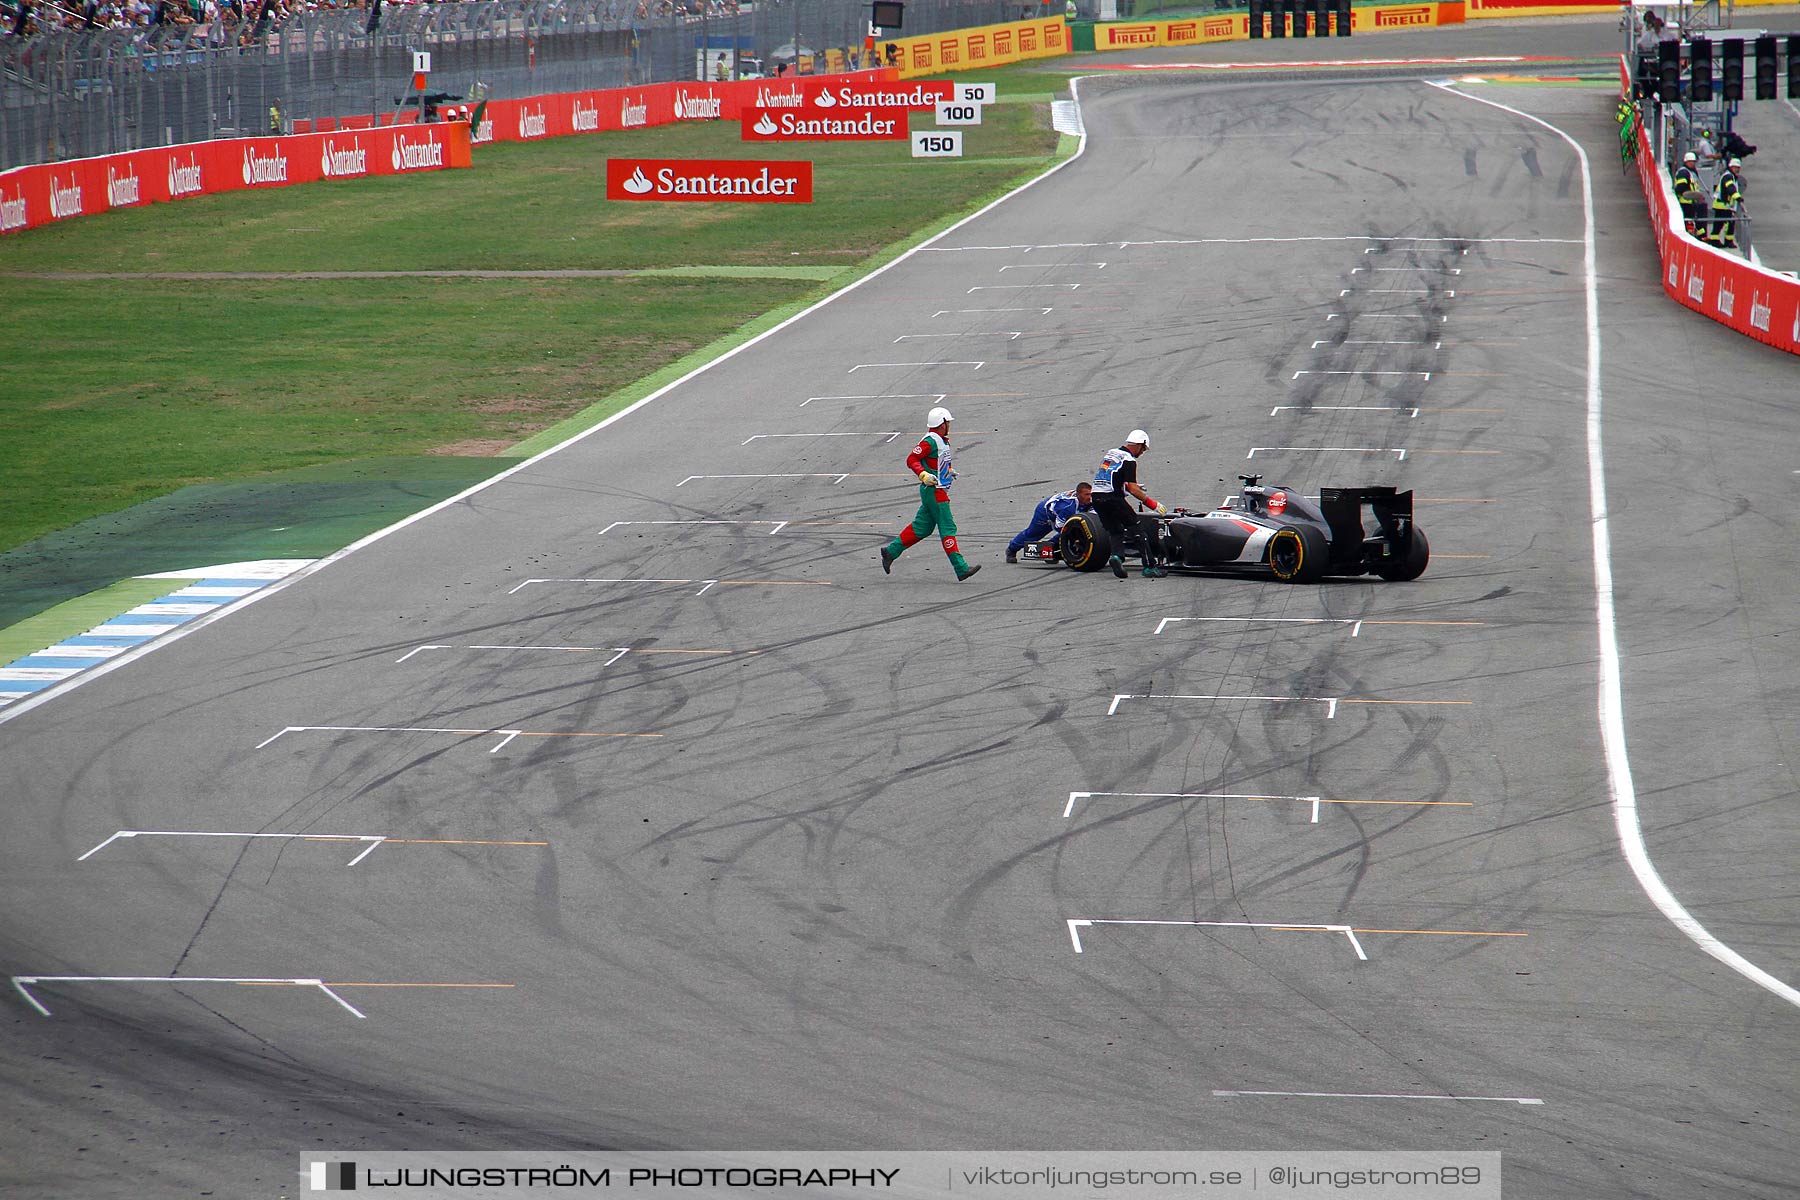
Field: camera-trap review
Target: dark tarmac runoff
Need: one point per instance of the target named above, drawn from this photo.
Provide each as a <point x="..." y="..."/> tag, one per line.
<point x="706" y="834"/>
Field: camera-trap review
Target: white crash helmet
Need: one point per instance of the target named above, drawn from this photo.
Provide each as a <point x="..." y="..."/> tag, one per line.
<point x="1690" y="157"/>
<point x="1138" y="437"/>
<point x="938" y="416"/>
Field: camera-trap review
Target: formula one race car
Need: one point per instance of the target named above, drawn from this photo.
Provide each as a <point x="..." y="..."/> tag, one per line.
<point x="1273" y="529"/>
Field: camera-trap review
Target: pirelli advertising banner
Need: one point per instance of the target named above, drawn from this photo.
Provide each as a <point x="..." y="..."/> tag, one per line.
<point x="1235" y="27"/>
<point x="973" y="49"/>
<point x="57" y="191"/>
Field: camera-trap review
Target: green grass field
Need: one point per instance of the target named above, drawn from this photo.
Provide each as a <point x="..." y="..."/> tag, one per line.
<point x="119" y="390"/>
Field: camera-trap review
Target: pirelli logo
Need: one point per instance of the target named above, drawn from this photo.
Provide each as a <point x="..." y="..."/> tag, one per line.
<point x="1131" y="35"/>
<point x="1392" y="18"/>
<point x="1218" y="28"/>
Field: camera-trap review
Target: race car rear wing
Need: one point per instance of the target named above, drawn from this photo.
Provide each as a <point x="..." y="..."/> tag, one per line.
<point x="1342" y="509"/>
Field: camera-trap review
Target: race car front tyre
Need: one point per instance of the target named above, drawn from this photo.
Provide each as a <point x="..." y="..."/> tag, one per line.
<point x="1297" y="554"/>
<point x="1411" y="565"/>
<point x="1085" y="544"/>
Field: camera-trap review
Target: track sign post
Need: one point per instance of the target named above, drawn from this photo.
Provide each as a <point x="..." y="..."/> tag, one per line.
<point x="1731" y="63"/>
<point x="937" y="143"/>
<point x="950" y="112"/>
<point x="1700" y="87"/>
<point x="1765" y="67"/>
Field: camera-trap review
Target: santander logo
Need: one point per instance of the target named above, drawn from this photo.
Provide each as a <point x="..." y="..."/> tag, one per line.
<point x="584" y="120"/>
<point x="122" y="189"/>
<point x="765" y="126"/>
<point x="272" y="169"/>
<point x="336" y="163"/>
<point x="790" y="98"/>
<point x="410" y="156"/>
<point x="12" y="213"/>
<point x="695" y="108"/>
<point x="64" y="201"/>
<point x="532" y="124"/>
<point x="825" y="100"/>
<point x="639" y="183"/>
<point x="484" y="132"/>
<point x="184" y="181"/>
<point x="632" y="115"/>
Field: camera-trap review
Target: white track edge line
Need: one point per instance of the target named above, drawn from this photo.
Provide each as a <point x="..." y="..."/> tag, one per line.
<point x="1612" y="691"/>
<point x="21" y="707"/>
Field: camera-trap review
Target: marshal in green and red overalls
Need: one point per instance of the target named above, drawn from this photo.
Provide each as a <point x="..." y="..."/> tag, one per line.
<point x="930" y="461"/>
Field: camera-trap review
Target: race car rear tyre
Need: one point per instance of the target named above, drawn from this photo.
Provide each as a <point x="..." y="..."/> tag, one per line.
<point x="1412" y="565"/>
<point x="1085" y="544"/>
<point x="1297" y="554"/>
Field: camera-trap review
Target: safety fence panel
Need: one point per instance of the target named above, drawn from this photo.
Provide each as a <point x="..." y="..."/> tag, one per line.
<point x="1753" y="300"/>
<point x="37" y="195"/>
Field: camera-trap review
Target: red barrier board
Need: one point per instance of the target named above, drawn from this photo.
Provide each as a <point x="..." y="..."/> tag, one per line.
<point x="1756" y="302"/>
<point x="56" y="191"/>
<point x="830" y="125"/>
<point x="709" y="180"/>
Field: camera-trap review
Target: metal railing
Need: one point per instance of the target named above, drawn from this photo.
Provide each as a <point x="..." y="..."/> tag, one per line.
<point x="74" y="93"/>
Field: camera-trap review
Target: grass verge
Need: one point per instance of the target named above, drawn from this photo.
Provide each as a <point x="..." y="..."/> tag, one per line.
<point x="245" y="390"/>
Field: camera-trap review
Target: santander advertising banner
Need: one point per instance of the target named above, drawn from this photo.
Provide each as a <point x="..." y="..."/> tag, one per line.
<point x="57" y="191"/>
<point x="839" y="125"/>
<point x="709" y="179"/>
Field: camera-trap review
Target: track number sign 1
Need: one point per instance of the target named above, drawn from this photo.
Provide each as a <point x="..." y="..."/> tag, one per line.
<point x="937" y="143"/>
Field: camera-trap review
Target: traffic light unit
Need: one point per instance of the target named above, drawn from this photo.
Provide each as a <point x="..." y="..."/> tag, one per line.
<point x="1731" y="68"/>
<point x="1700" y="79"/>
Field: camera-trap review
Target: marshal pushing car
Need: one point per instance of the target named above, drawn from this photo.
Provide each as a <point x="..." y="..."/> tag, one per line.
<point x="1272" y="529"/>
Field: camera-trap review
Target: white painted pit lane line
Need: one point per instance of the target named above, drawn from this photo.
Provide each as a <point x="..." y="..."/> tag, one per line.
<point x="370" y="840"/>
<point x="1015" y="287"/>
<point x="1249" y="241"/>
<point x="938" y="396"/>
<point x="1314" y="801"/>
<point x="944" y="312"/>
<point x="617" y="652"/>
<point x="708" y="584"/>
<point x="834" y="476"/>
<point x="972" y="364"/>
<point x="1050" y="266"/>
<point x="1226" y="1093"/>
<point x="886" y="435"/>
<point x="1425" y="375"/>
<point x="1011" y="335"/>
<point x="506" y="736"/>
<point x="1412" y="413"/>
<point x="1332" y="450"/>
<point x="1435" y="346"/>
<point x="1356" y="623"/>
<point x="1331" y="703"/>
<point x="20" y="983"/>
<point x="1077" y="925"/>
<point x="1413" y="270"/>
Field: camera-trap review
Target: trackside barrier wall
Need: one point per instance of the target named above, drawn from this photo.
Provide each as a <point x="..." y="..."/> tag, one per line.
<point x="37" y="195"/>
<point x="1235" y="27"/>
<point x="975" y="49"/>
<point x="1760" y="303"/>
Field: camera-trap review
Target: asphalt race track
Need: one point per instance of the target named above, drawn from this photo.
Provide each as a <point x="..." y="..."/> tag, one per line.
<point x="825" y="899"/>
